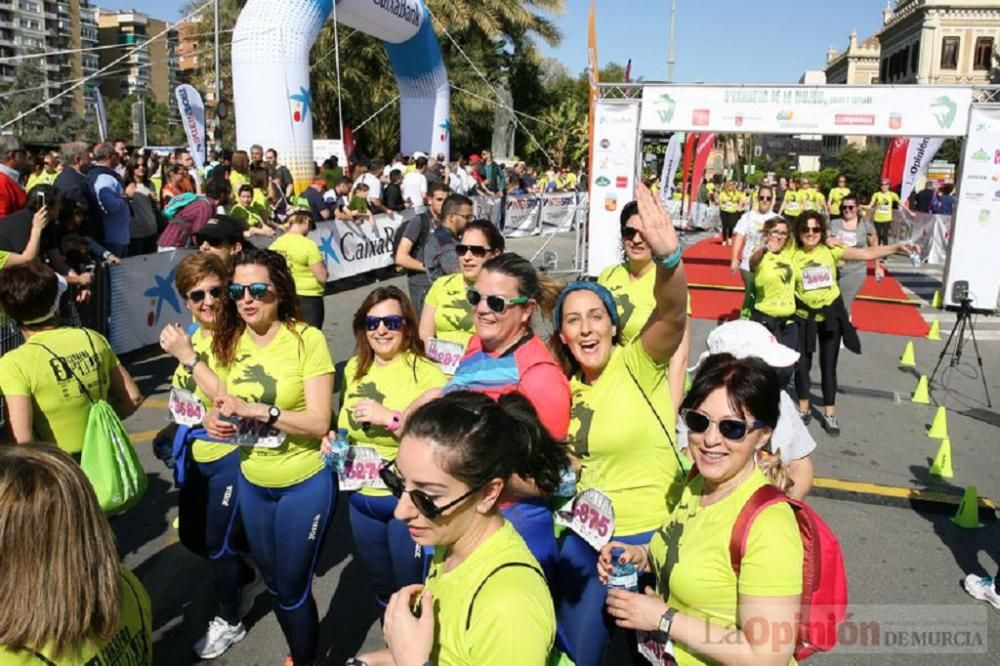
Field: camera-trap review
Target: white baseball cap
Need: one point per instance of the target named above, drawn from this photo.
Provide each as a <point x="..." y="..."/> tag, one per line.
<point x="418" y="154"/>
<point x="743" y="338"/>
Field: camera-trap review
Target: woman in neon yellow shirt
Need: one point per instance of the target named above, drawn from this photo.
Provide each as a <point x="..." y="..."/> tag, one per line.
<point x="208" y="501"/>
<point x="731" y="205"/>
<point x="837" y="195"/>
<point x="67" y="600"/>
<point x="279" y="389"/>
<point x="623" y="427"/>
<point x="791" y="205"/>
<point x="447" y="315"/>
<point x="388" y="372"/>
<point x="700" y="610"/>
<point x="773" y="266"/>
<point x="822" y="317"/>
<point x="305" y="261"/>
<point x="882" y="203"/>
<point x="485" y="601"/>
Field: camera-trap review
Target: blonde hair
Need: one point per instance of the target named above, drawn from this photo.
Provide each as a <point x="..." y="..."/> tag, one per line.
<point x="774" y="469"/>
<point x="61" y="584"/>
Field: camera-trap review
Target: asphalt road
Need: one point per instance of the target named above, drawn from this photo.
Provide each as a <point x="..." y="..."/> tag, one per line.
<point x="904" y="565"/>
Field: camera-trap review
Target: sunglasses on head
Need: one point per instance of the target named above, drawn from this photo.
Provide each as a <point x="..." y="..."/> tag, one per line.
<point x="477" y="251"/>
<point x="421" y="500"/>
<point x="497" y="304"/>
<point x="732" y="429"/>
<point x="392" y="322"/>
<point x="258" y="290"/>
<point x="198" y="295"/>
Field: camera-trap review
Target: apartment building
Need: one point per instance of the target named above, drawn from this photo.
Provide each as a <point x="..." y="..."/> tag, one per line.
<point x="151" y="69"/>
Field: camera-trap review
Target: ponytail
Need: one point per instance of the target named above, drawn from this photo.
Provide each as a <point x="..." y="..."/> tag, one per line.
<point x="775" y="470"/>
<point x="481" y="439"/>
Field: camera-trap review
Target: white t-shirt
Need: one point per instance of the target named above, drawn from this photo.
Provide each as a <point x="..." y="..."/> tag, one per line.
<point x="751" y="227"/>
<point x="395" y="166"/>
<point x="373" y="183"/>
<point x="414" y="188"/>
<point x="791" y="437"/>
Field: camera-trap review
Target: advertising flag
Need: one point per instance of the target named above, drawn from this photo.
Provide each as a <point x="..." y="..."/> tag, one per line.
<point x="895" y="158"/>
<point x="102" y="116"/>
<point x="192" y="110"/>
<point x="919" y="154"/>
<point x="671" y="161"/>
<point x="705" y="144"/>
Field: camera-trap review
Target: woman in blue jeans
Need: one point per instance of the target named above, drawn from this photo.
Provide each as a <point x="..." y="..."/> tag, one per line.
<point x="388" y="371"/>
<point x="277" y="407"/>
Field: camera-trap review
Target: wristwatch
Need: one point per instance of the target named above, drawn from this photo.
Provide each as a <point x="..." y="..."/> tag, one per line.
<point x="666" y="620"/>
<point x="272" y="414"/>
<point x="189" y="367"/>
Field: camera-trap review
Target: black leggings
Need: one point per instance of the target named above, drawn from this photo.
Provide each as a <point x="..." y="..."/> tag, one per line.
<point x="729" y="221"/>
<point x="829" y="352"/>
<point x="312" y="310"/>
<point x="882" y="231"/>
<point x="787" y="335"/>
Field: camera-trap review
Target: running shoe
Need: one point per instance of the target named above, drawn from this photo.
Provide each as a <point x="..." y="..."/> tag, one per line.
<point x="806" y="416"/>
<point x="249" y="592"/>
<point x="220" y="637"/>
<point x="831" y="426"/>
<point x="982" y="588"/>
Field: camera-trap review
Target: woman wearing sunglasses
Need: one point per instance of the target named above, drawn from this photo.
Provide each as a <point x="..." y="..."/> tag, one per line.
<point x="388" y="371"/>
<point x="850" y="230"/>
<point x="208" y="501"/>
<point x="698" y="604"/>
<point x="305" y="261"/>
<point x="773" y="265"/>
<point x="279" y="387"/>
<point x="822" y="318"/>
<point x="622" y="429"/>
<point x="447" y="315"/>
<point x="485" y="601"/>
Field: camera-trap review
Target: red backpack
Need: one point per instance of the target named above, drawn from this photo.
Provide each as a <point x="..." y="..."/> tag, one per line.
<point x="824" y="577"/>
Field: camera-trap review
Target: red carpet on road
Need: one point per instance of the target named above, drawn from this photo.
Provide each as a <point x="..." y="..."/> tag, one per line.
<point x="707" y="265"/>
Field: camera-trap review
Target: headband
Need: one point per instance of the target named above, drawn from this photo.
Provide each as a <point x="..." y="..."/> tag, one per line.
<point x="582" y="285"/>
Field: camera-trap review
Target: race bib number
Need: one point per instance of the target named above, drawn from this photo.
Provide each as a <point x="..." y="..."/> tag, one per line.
<point x="817" y="277"/>
<point x="591" y="516"/>
<point x="884" y="209"/>
<point x="848" y="238"/>
<point x="655" y="651"/>
<point x="361" y="469"/>
<point x="446" y="354"/>
<point x="792" y="206"/>
<point x="185" y="407"/>
<point x="257" y="434"/>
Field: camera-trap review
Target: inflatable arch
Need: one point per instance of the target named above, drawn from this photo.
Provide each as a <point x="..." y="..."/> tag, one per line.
<point x="271" y="93"/>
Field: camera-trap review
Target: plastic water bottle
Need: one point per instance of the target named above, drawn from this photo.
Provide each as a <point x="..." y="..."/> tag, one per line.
<point x="567" y="483"/>
<point x="337" y="458"/>
<point x="915" y="259"/>
<point x="623" y="576"/>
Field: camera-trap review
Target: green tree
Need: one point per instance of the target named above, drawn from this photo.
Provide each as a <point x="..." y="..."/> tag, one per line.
<point x="863" y="168"/>
<point x="24" y="93"/>
<point x="159" y="130"/>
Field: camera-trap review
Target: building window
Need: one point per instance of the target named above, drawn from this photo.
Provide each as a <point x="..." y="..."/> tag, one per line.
<point x="949" y="53"/>
<point x="984" y="53"/>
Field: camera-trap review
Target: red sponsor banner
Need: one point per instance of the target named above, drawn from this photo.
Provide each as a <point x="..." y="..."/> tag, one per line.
<point x="705" y="144"/>
<point x="689" y="145"/>
<point x="701" y="117"/>
<point x="853" y="119"/>
<point x="894" y="161"/>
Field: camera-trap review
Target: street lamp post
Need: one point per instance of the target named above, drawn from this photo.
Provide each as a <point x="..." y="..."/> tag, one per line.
<point x="670" y="57"/>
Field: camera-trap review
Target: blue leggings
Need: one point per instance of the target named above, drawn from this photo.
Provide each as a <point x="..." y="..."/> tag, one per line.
<point x="532" y="518"/>
<point x="208" y="505"/>
<point x="285" y="527"/>
<point x="389" y="556"/>
<point x="584" y="627"/>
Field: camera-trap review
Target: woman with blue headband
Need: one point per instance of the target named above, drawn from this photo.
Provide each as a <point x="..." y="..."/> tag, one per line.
<point x="622" y="428"/>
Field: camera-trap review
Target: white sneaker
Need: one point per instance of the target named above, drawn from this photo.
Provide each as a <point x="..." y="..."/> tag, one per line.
<point x="220" y="637"/>
<point x="249" y="592"/>
<point x="982" y="588"/>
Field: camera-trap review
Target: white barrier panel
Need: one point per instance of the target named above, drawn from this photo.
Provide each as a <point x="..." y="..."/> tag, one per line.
<point x="930" y="232"/>
<point x="486" y="208"/>
<point x="522" y="217"/>
<point x="144" y="300"/>
<point x="558" y="211"/>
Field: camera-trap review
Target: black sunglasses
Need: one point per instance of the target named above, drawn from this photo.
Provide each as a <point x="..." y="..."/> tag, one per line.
<point x="198" y="295"/>
<point x="258" y="290"/>
<point x="214" y="242"/>
<point x="629" y="233"/>
<point x="812" y="230"/>
<point x="477" y="251"/>
<point x="764" y="198"/>
<point x="732" y="429"/>
<point x="392" y="322"/>
<point x="846" y="207"/>
<point x="497" y="304"/>
<point x="421" y="500"/>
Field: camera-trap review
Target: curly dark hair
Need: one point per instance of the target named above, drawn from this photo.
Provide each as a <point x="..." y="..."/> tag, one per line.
<point x="231" y="325"/>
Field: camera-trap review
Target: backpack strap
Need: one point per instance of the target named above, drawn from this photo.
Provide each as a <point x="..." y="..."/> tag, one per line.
<point x="764" y="497"/>
<point x="468" y="617"/>
<point x="673" y="447"/>
<point x="68" y="370"/>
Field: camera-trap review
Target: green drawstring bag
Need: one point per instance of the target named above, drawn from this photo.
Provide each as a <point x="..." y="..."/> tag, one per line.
<point x="108" y="458"/>
<point x="748" y="304"/>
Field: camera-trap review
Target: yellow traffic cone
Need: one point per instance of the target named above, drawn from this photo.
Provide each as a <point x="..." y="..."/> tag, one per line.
<point x="939" y="427"/>
<point x="909" y="357"/>
<point x="936" y="301"/>
<point x="967" y="515"/>
<point x="921" y="395"/>
<point x="935" y="332"/>
<point x="942" y="461"/>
